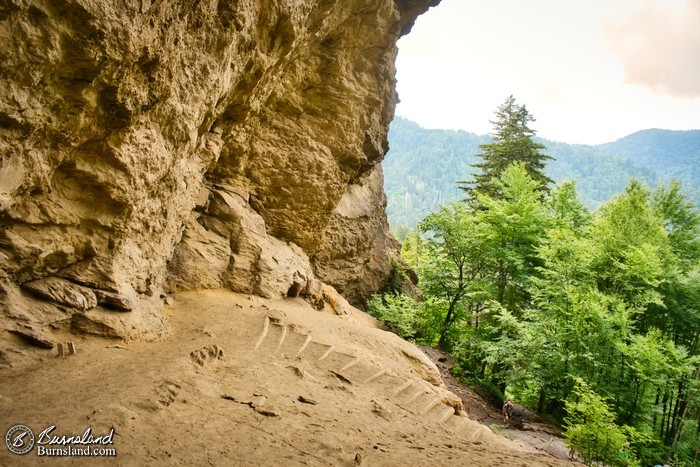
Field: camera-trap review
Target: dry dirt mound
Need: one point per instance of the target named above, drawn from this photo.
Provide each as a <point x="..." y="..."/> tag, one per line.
<point x="248" y="381"/>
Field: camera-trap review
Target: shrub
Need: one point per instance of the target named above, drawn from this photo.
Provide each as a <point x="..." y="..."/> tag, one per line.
<point x="396" y="311"/>
<point x="591" y="430"/>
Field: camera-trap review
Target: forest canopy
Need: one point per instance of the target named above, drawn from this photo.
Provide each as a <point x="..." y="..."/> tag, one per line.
<point x="591" y="318"/>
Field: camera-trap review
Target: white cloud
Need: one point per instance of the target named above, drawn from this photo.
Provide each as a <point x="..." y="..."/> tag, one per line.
<point x="659" y="47"/>
<point x="462" y="59"/>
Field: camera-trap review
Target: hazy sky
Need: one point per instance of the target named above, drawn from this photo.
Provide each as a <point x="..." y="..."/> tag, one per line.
<point x="589" y="71"/>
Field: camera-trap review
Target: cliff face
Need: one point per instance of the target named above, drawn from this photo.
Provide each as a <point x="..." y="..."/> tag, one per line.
<point x="150" y="146"/>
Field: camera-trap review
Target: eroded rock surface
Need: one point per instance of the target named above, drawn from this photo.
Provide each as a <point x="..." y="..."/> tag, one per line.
<point x="148" y="146"/>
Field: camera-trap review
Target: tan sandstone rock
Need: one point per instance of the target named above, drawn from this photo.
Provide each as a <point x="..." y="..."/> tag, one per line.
<point x="120" y="122"/>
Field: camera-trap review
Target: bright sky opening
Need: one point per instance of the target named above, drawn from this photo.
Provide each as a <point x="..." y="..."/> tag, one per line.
<point x="589" y="71"/>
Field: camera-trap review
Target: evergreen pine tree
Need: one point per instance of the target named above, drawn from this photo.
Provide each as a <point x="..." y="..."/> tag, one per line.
<point x="512" y="142"/>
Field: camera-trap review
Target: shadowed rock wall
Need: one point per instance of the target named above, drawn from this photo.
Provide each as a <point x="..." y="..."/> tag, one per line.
<point x="149" y="146"/>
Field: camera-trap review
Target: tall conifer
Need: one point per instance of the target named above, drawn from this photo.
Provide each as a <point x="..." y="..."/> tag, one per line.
<point x="513" y="141"/>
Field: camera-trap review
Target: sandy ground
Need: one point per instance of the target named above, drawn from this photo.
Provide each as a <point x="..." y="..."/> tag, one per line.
<point x="247" y="381"/>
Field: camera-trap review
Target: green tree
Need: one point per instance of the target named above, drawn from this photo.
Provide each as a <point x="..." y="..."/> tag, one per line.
<point x="679" y="315"/>
<point x="457" y="253"/>
<point x="652" y="362"/>
<point x="513" y="225"/>
<point x="567" y="328"/>
<point x="513" y="141"/>
<point x="591" y="430"/>
<point x="567" y="210"/>
<point x="632" y="249"/>
<point x="682" y="223"/>
<point x="514" y="222"/>
<point x="412" y="249"/>
<point x="592" y="318"/>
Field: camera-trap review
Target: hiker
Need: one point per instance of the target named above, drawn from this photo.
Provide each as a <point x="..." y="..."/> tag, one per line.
<point x="508" y="409"/>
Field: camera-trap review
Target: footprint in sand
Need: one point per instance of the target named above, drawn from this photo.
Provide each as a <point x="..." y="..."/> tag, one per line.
<point x="210" y="353"/>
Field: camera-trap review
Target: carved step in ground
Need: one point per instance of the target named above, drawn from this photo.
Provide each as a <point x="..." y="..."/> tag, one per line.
<point x="417" y="397"/>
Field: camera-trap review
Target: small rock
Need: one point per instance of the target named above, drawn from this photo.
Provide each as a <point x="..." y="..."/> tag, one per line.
<point x="306" y="400"/>
<point x="341" y="377"/>
<point x="257" y="401"/>
<point x="65" y="349"/>
<point x="381" y="411"/>
<point x="302" y="373"/>
<point x="116" y="301"/>
<point x="207" y="331"/>
<point x="93" y="325"/>
<point x="268" y="412"/>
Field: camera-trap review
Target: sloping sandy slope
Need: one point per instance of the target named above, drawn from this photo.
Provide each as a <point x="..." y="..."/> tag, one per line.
<point x="248" y="381"/>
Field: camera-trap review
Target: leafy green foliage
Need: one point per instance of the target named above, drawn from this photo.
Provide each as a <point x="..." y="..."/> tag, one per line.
<point x="591" y="430"/>
<point x="396" y="311"/>
<point x="632" y="249"/>
<point x="514" y="223"/>
<point x="680" y="220"/>
<point x="592" y="318"/>
<point x="413" y="249"/>
<point x="456" y="253"/>
<point x="567" y="211"/>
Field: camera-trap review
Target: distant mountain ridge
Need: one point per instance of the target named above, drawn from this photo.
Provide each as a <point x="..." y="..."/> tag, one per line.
<point x="676" y="154"/>
<point x="423" y="166"/>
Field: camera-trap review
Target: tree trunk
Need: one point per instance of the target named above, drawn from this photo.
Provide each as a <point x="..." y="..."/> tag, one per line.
<point x="669" y="412"/>
<point x="663" y="414"/>
<point x="679" y="430"/>
<point x="630" y="412"/>
<point x="443" y="332"/>
<point x="540" y="401"/>
<point x="448" y="321"/>
<point x="656" y="403"/>
<point x="673" y="422"/>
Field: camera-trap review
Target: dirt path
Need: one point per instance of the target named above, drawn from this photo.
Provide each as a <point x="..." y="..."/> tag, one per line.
<point x="526" y="427"/>
<point x="247" y="381"/>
